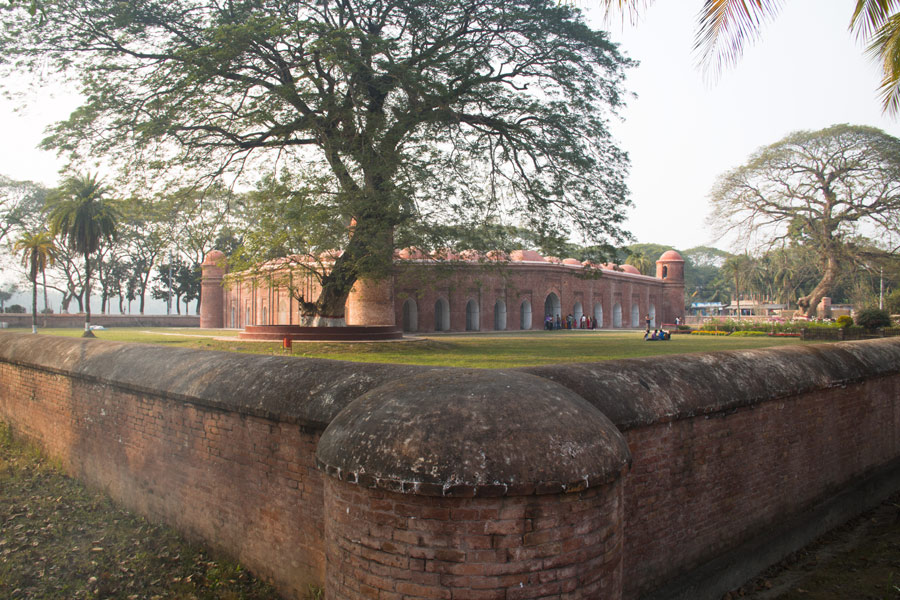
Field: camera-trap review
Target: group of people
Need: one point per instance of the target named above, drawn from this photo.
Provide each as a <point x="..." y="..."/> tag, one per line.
<point x="658" y="334"/>
<point x="570" y="322"/>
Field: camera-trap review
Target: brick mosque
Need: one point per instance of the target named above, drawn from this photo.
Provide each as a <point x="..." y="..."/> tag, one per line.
<point x="465" y="292"/>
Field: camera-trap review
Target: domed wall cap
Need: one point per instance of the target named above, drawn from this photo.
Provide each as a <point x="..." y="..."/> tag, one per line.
<point x="672" y="256"/>
<point x="631" y="269"/>
<point x="214" y="257"/>
<point x="472" y="433"/>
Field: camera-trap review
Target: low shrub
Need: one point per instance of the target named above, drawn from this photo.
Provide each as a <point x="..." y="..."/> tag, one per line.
<point x="767" y="327"/>
<point x="844" y="321"/>
<point x="873" y="318"/>
<point x="749" y="333"/>
<point x="710" y="332"/>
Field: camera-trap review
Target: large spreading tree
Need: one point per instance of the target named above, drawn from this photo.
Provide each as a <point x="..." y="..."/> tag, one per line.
<point x="396" y="118"/>
<point x="818" y="190"/>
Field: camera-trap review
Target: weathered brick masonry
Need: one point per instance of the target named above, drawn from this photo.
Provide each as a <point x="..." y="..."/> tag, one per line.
<point x="541" y="546"/>
<point x="459" y="293"/>
<point x="727" y="446"/>
<point x="396" y="482"/>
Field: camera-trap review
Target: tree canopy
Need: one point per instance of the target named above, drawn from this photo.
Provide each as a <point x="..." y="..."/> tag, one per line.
<point x="816" y="189"/>
<point x="399" y="118"/>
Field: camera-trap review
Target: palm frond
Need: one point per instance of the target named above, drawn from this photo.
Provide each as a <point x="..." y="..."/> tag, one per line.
<point x="870" y="16"/>
<point x="725" y="26"/>
<point x="632" y="8"/>
<point x="884" y="48"/>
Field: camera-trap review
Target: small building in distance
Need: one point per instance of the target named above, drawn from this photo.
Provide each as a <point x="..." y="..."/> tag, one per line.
<point x="706" y="309"/>
<point x="466" y="292"/>
<point x="754" y="308"/>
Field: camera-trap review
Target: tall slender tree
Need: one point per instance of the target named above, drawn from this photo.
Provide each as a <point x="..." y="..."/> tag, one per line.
<point x="84" y="219"/>
<point x="738" y="268"/>
<point x="38" y="252"/>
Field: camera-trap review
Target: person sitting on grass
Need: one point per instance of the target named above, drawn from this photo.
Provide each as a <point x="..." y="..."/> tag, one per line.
<point x="653" y="337"/>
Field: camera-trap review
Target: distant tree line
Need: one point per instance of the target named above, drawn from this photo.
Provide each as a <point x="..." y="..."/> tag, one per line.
<point x="132" y="256"/>
<point x="778" y="275"/>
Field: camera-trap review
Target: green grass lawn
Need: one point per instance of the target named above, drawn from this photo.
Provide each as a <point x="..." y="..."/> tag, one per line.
<point x="484" y="350"/>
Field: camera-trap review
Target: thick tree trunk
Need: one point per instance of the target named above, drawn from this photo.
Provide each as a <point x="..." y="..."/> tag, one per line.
<point x="809" y="304"/>
<point x="329" y="309"/>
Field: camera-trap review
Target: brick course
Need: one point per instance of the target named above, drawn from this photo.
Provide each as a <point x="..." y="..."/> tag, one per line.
<point x="386" y="545"/>
<point x="700" y="486"/>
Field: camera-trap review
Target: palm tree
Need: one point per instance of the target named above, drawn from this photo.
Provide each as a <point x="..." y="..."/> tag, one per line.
<point x="81" y="216"/>
<point x="725" y="26"/>
<point x="740" y="268"/>
<point x="641" y="262"/>
<point x="38" y="251"/>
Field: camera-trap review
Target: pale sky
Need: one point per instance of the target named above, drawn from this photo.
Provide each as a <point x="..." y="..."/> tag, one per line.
<point x="681" y="132"/>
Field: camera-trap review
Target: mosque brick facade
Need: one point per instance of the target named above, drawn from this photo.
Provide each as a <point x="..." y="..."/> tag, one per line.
<point x="462" y="295"/>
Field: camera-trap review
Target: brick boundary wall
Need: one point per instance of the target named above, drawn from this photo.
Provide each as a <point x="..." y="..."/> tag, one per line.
<point x="727" y="447"/>
<point x="603" y="480"/>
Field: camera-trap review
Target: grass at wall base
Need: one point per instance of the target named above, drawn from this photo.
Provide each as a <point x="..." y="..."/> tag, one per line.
<point x="481" y="350"/>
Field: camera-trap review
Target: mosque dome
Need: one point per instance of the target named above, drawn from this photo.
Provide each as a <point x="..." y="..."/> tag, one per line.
<point x="671" y="255"/>
<point x="526" y="256"/>
<point x="213" y="257"/>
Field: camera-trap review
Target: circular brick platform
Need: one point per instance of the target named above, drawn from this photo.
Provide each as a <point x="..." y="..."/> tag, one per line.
<point x="300" y="333"/>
